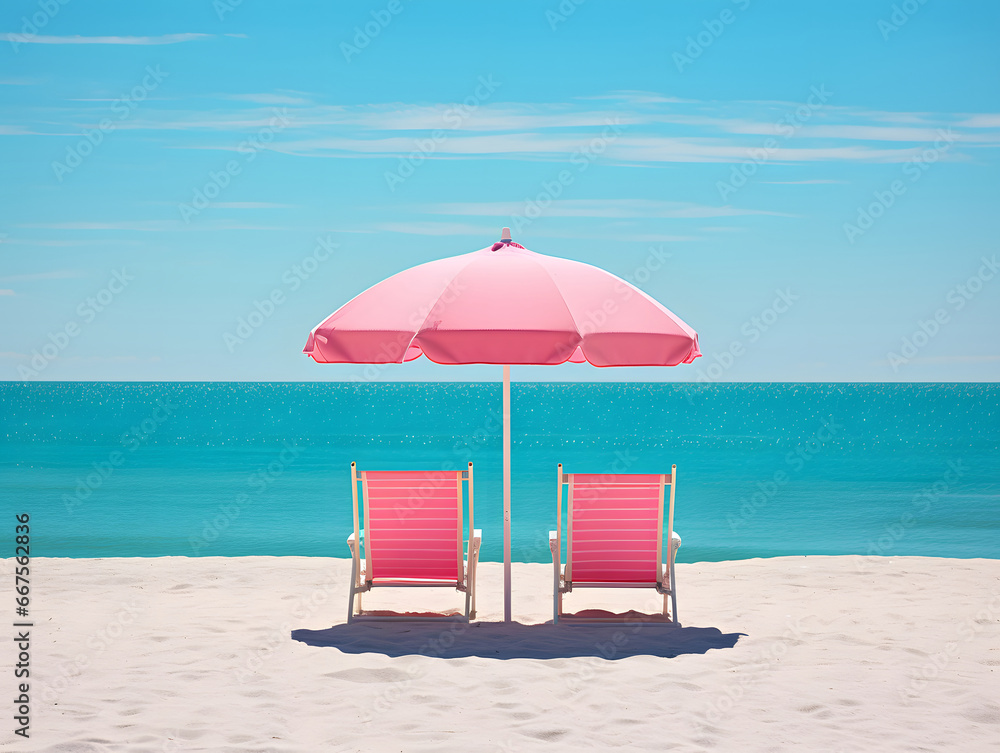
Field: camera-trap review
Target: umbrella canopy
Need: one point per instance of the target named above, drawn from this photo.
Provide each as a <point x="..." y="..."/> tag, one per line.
<point x="504" y="305"/>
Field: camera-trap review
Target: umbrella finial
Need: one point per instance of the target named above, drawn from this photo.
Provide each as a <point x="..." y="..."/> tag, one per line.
<point x="505" y="240"/>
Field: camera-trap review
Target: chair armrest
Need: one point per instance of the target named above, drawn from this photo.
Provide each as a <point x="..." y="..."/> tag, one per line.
<point x="352" y="543"/>
<point x="556" y="549"/>
<point x="475" y="544"/>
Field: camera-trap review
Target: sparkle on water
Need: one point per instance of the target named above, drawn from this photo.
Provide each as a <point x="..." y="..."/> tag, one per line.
<point x="140" y="469"/>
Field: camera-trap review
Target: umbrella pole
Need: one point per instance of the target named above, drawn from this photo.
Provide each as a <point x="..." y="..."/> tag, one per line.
<point x="506" y="494"/>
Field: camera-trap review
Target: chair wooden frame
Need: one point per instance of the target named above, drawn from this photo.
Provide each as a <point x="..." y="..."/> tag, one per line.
<point x="562" y="576"/>
<point x="467" y="556"/>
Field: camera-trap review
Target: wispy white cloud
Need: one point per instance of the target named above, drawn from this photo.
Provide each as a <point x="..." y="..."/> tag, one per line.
<point x="6" y="291"/>
<point x="390" y="117"/>
<point x="635" y="96"/>
<point x="656" y="130"/>
<point x="57" y="274"/>
<point x="888" y="116"/>
<point x="760" y="119"/>
<point x="620" y="237"/>
<point x="269" y="98"/>
<point x="77" y="39"/>
<point x="627" y="149"/>
<point x="68" y="243"/>
<point x="507" y="144"/>
<point x="816" y="182"/>
<point x="16" y="130"/>
<point x="15" y="356"/>
<point x="846" y="132"/>
<point x="110" y="359"/>
<point x="154" y="226"/>
<point x="250" y="205"/>
<point x="837" y="131"/>
<point x="598" y="209"/>
<point x="643" y="149"/>
<point x="985" y="120"/>
<point x="953" y="359"/>
<point x="486" y="229"/>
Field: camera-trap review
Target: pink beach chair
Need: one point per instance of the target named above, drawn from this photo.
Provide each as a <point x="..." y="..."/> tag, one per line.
<point x="614" y="536"/>
<point x="413" y="535"/>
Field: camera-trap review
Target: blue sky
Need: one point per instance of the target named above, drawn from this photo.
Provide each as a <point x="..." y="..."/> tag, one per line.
<point x="811" y="186"/>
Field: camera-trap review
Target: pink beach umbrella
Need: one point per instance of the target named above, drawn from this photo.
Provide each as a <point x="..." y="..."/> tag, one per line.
<point x="504" y="305"/>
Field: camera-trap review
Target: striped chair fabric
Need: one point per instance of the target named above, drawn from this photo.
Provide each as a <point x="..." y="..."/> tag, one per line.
<point x="615" y="525"/>
<point x="413" y="525"/>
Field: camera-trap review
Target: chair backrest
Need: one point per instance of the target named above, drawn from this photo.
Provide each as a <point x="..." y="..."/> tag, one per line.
<point x="615" y="526"/>
<point x="413" y="523"/>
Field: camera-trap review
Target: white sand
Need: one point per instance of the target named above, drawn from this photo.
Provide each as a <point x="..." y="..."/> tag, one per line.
<point x="823" y="654"/>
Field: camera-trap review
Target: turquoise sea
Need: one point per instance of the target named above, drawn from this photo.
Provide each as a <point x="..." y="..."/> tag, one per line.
<point x="200" y="469"/>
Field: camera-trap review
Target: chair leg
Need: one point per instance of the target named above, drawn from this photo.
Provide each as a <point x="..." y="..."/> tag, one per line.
<point x="556" y="596"/>
<point x="470" y="580"/>
<point x="673" y="593"/>
<point x="554" y="548"/>
<point x="472" y="612"/>
<point x="350" y="592"/>
<point x="669" y="581"/>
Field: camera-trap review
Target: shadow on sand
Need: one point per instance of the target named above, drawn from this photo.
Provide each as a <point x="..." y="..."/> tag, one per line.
<point x="496" y="640"/>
